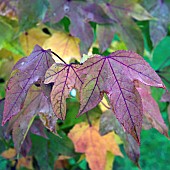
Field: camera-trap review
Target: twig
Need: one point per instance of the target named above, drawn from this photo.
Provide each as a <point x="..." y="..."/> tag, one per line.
<point x="58" y="57"/>
<point x="88" y="119"/>
<point x="105" y="105"/>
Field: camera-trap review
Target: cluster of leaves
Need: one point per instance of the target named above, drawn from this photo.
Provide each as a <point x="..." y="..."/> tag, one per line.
<point x="39" y="92"/>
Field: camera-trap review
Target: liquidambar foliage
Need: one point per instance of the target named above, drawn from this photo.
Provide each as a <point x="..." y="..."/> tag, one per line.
<point x="82" y="104"/>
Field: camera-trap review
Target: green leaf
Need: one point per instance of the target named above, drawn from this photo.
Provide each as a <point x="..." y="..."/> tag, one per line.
<point x="6" y="33"/>
<point x="161" y="54"/>
<point x="139" y="13"/>
<point x="8" y="40"/>
<point x="31" y="12"/>
<point x="47" y="151"/>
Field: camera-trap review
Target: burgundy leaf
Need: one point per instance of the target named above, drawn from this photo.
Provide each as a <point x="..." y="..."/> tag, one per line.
<point x="28" y="72"/>
<point x="151" y="110"/>
<point x="80" y="27"/>
<point x="108" y="123"/>
<point x="114" y="75"/>
<point x="65" y="78"/>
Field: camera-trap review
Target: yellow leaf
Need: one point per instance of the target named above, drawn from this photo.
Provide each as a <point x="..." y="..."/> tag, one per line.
<point x="109" y="162"/>
<point x="111" y="144"/>
<point x="65" y="45"/>
<point x="9" y="154"/>
<point x="32" y="37"/>
<point x="88" y="140"/>
<point x="5" y="54"/>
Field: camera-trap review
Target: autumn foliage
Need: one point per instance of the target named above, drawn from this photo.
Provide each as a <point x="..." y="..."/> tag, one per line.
<point x="82" y="104"/>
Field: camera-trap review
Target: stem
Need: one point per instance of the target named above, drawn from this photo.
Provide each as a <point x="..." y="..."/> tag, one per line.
<point x="105" y="105"/>
<point x="58" y="57"/>
<point x="88" y="119"/>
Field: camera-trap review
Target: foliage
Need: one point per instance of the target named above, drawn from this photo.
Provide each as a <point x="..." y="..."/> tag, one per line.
<point x="84" y="88"/>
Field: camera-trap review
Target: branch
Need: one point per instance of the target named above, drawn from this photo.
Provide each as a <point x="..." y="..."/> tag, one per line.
<point x="105" y="105"/>
<point x="58" y="57"/>
<point x="88" y="119"/>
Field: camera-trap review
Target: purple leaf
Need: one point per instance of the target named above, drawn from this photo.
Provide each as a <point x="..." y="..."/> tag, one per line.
<point x="166" y="97"/>
<point x="80" y="27"/>
<point x="26" y="146"/>
<point x="105" y="34"/>
<point x="114" y="75"/>
<point x="159" y="26"/>
<point x="65" y="78"/>
<point x="93" y="12"/>
<point x="151" y="110"/>
<point x="28" y="72"/>
<point x="125" y="26"/>
<point x="108" y="123"/>
<point x="82" y="31"/>
<point x="37" y="128"/>
<point x="35" y="103"/>
<point x="25" y="120"/>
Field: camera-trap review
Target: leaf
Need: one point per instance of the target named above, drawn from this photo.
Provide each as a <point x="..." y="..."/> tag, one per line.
<point x="162" y="63"/>
<point x="166" y="97"/>
<point x="8" y="39"/>
<point x="109" y="161"/>
<point x="80" y="18"/>
<point x="32" y="37"/>
<point x="9" y="154"/>
<point x="2" y="128"/>
<point x="72" y="110"/>
<point x="125" y="26"/>
<point x="37" y="128"/>
<point x="140" y="13"/>
<point x="114" y="75"/>
<point x="49" y="150"/>
<point x="29" y="14"/>
<point x="25" y="119"/>
<point x="26" y="162"/>
<point x="29" y="72"/>
<point x="35" y="103"/>
<point x="87" y="140"/>
<point x="26" y="146"/>
<point x="7" y="32"/>
<point x="108" y="123"/>
<point x="65" y="78"/>
<point x="159" y="27"/>
<point x="65" y="45"/>
<point x="46" y="114"/>
<point x="151" y="110"/>
<point x="105" y="34"/>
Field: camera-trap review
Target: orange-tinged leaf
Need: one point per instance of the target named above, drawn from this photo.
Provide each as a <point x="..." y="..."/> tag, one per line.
<point x="25" y="162"/>
<point x="9" y="154"/>
<point x="65" y="45"/>
<point x="88" y="140"/>
<point x="65" y="78"/>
